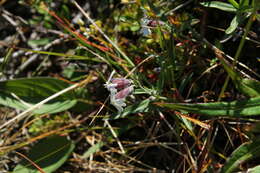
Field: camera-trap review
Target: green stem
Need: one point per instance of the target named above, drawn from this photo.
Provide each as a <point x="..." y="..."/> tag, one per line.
<point x="234" y="3"/>
<point x="242" y="42"/>
<point x="240" y="47"/>
<point x="223" y="88"/>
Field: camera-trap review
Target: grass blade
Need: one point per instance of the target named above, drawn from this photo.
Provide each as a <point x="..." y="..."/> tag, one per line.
<point x="219" y="5"/>
<point x="248" y="107"/>
<point x="243" y="153"/>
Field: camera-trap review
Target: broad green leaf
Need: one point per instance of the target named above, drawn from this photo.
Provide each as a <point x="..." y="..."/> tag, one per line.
<point x="233" y="25"/>
<point x="23" y="93"/>
<point x="49" y="154"/>
<point x="248" y="107"/>
<point x="255" y="169"/>
<point x="219" y="5"/>
<point x="242" y="154"/>
<point x="93" y="149"/>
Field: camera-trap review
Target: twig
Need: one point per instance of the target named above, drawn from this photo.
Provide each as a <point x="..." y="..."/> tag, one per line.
<point x="97" y="55"/>
<point x="178" y="7"/>
<point x="115" y="136"/>
<point x="100" y="109"/>
<point x="138" y="65"/>
<point x="14" y="23"/>
<point x="29" y="160"/>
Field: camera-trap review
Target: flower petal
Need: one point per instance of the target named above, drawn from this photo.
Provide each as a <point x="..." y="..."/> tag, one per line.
<point x="124" y="93"/>
<point x="121" y="82"/>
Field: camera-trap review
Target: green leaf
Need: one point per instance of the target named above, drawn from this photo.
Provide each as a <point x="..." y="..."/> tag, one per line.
<point x="49" y="154"/>
<point x="233" y="25"/>
<point x="255" y="169"/>
<point x="248" y="107"/>
<point x="249" y="87"/>
<point x="142" y="106"/>
<point x="242" y="154"/>
<point x="5" y="61"/>
<point x="40" y="42"/>
<point x="246" y="86"/>
<point x="93" y="149"/>
<point x="234" y="3"/>
<point x="219" y="5"/>
<point x="23" y="93"/>
<point x="256" y="4"/>
<point x="243" y="3"/>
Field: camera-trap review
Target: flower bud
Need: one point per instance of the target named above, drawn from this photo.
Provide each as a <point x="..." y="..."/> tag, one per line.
<point x="124" y="93"/>
<point x="154" y="23"/>
<point x="121" y="82"/>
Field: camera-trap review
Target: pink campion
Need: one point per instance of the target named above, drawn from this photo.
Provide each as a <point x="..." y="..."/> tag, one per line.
<point x="119" y="89"/>
<point x="124" y="92"/>
<point x="121" y="82"/>
<point x="154" y="23"/>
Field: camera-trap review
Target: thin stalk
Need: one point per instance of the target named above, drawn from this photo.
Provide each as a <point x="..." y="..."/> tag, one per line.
<point x="115" y="136"/>
<point x="242" y="42"/>
<point x="66" y="56"/>
<point x="6" y="60"/>
<point x="223" y="88"/>
<point x="240" y="47"/>
<point x="31" y="162"/>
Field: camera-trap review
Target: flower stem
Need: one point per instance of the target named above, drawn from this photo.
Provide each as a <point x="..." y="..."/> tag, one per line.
<point x="240" y="47"/>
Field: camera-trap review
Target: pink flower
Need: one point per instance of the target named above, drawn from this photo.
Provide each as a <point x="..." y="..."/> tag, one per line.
<point x="121" y="82"/>
<point x="124" y="92"/>
<point x="154" y="23"/>
<point x="119" y="89"/>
